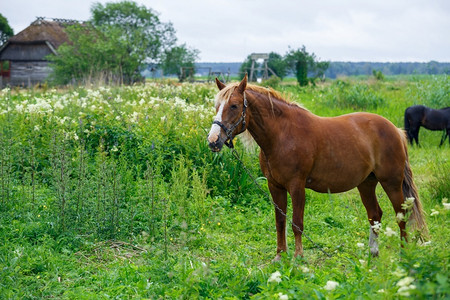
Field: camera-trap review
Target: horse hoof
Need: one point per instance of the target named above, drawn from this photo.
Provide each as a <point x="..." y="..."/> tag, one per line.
<point x="277" y="258"/>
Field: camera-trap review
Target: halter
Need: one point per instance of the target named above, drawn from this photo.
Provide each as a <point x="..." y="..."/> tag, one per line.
<point x="229" y="131"/>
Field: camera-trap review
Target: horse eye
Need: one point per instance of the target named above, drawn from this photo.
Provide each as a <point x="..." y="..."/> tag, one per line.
<point x="233" y="107"/>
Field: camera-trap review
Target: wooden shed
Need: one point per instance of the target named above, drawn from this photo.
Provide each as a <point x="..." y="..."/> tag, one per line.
<point x="23" y="57"/>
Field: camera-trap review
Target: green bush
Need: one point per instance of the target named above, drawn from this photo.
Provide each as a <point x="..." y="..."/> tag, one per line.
<point x="272" y="82"/>
<point x="358" y="96"/>
<point x="433" y="91"/>
<point x="440" y="183"/>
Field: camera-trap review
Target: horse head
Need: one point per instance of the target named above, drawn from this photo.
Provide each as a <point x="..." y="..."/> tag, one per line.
<point x="230" y="119"/>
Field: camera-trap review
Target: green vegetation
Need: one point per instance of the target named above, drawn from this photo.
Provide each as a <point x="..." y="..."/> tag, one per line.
<point x="5" y="30"/>
<point x="306" y="67"/>
<point x="119" y="41"/>
<point x="112" y="192"/>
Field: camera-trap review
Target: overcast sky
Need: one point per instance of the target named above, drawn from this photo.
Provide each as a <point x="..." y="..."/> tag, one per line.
<point x="335" y="30"/>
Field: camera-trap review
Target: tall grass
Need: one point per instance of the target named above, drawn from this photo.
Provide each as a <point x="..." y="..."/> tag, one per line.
<point x="113" y="192"/>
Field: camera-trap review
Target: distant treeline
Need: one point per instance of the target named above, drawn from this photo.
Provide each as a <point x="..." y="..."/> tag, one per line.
<point x="337" y="69"/>
<point x="401" y="68"/>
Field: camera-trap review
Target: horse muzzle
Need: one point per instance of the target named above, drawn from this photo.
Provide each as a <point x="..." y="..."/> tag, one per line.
<point x="216" y="146"/>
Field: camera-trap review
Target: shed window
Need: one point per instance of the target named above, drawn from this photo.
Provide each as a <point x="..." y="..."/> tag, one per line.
<point x="5" y="68"/>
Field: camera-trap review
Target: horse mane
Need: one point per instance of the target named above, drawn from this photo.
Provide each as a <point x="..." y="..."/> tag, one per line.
<point x="224" y="95"/>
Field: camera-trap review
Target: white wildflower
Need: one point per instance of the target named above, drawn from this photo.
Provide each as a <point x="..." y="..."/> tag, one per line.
<point x="283" y="296"/>
<point x="118" y="99"/>
<point x="406" y="286"/>
<point x="360" y="245"/>
<point x="163" y="119"/>
<point x="434" y="212"/>
<point x="331" y="285"/>
<point x="19" y="108"/>
<point x="58" y="105"/>
<point x="304" y="269"/>
<point x="275" y="277"/>
<point x="134" y="117"/>
<point x="400" y="217"/>
<point x="376" y="227"/>
<point x="445" y="204"/>
<point x="405" y="281"/>
<point x="404" y="290"/>
<point x="399" y="272"/>
<point x="390" y="232"/>
<point x="114" y="149"/>
<point x="37" y="128"/>
<point x="6" y="90"/>
<point x="381" y="291"/>
<point x="408" y="204"/>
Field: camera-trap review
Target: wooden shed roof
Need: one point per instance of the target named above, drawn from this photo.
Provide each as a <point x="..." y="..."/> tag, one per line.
<point x="42" y="30"/>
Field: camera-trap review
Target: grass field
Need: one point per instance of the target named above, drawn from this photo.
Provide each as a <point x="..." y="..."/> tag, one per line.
<point x="112" y="192"/>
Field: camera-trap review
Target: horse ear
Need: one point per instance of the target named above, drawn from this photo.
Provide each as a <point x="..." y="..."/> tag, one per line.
<point x="220" y="84"/>
<point x="243" y="85"/>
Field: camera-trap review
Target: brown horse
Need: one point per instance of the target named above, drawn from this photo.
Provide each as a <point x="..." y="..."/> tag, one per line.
<point x="301" y="150"/>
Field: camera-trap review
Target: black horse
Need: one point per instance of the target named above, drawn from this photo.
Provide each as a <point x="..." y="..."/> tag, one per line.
<point x="432" y="119"/>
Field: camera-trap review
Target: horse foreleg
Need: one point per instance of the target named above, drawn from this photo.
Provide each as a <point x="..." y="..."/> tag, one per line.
<point x="298" y="207"/>
<point x="279" y="196"/>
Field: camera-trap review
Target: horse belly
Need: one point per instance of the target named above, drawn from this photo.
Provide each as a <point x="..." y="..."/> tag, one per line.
<point x="340" y="173"/>
<point x="336" y="184"/>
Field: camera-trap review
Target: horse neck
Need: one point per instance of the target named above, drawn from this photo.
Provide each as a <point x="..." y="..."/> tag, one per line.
<point x="269" y="116"/>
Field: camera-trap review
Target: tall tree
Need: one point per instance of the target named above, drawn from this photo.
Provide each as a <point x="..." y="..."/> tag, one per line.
<point x="143" y="33"/>
<point x="305" y="65"/>
<point x="138" y="30"/>
<point x="120" y="39"/>
<point x="277" y="63"/>
<point x="90" y="56"/>
<point x="5" y="30"/>
<point x="180" y="61"/>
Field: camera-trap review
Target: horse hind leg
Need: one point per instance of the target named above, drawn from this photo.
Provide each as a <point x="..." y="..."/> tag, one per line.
<point x="374" y="213"/>
<point x="416" y="135"/>
<point x="443" y="138"/>
<point x="393" y="189"/>
<point x="445" y="134"/>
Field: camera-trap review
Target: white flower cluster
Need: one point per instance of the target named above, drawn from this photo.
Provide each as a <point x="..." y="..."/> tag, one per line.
<point x="405" y="286"/>
<point x="331" y="285"/>
<point x="376" y="227"/>
<point x="140" y="103"/>
<point x="275" y="277"/>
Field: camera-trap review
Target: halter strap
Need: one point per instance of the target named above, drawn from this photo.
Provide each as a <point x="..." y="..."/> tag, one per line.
<point x="229" y="131"/>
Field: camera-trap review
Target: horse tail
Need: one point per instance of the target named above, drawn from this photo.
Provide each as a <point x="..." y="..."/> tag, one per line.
<point x="407" y="125"/>
<point x="417" y="218"/>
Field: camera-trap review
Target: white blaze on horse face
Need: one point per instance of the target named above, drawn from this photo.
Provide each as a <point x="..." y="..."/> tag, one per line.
<point x="215" y="129"/>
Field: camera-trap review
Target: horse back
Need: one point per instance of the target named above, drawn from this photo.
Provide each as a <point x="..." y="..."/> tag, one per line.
<point x="355" y="145"/>
<point x="437" y="119"/>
